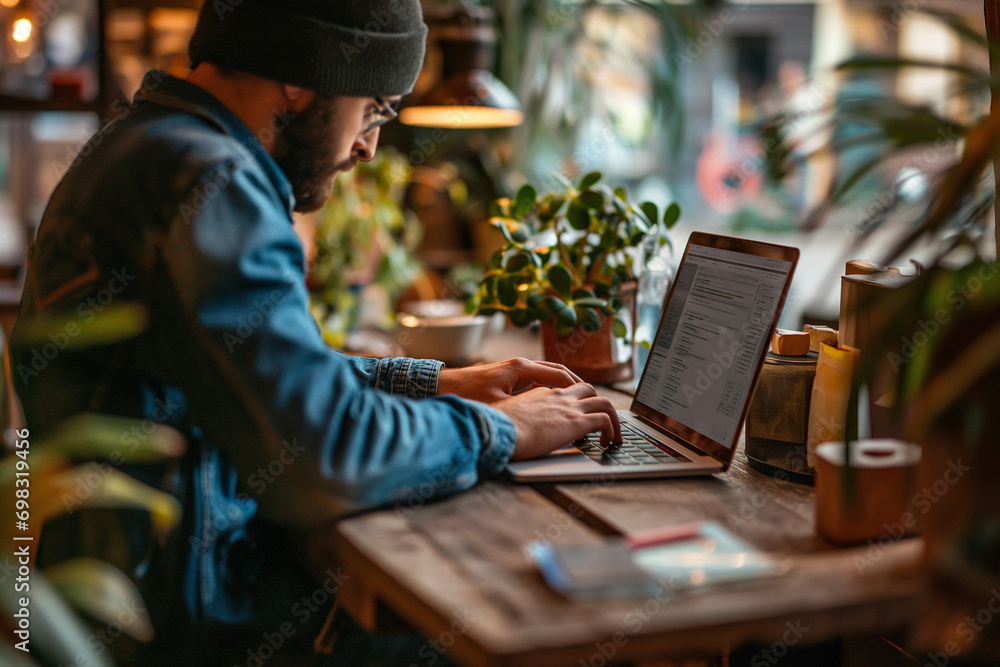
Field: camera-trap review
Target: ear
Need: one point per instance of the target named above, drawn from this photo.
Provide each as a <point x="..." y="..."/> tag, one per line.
<point x="297" y="98"/>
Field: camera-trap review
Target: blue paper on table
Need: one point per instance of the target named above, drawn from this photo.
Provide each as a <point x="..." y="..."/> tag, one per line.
<point x="715" y="557"/>
<point x="710" y="556"/>
<point x="602" y="569"/>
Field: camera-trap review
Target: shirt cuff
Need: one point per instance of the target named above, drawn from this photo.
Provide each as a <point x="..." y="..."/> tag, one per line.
<point x="413" y="378"/>
<point x="497" y="435"/>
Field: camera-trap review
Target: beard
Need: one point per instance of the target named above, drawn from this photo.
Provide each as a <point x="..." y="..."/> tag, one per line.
<point x="306" y="153"/>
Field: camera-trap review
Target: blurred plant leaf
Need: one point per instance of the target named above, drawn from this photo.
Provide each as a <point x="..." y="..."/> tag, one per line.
<point x="590" y="303"/>
<point x="10" y="657"/>
<point x="506" y="291"/>
<point x="982" y="147"/>
<point x="519" y="261"/>
<point x="949" y="385"/>
<point x="565" y="320"/>
<point x="671" y="215"/>
<point x="578" y="217"/>
<point x="899" y="123"/>
<point x="58" y="636"/>
<point x="521" y="317"/>
<point x="548" y="307"/>
<point x="961" y="28"/>
<point x="91" y="436"/>
<point x="525" y="200"/>
<point x="590" y="320"/>
<point x="651" y="212"/>
<point x="867" y="62"/>
<point x="115" y="323"/>
<point x="502" y="225"/>
<point x="561" y="279"/>
<point x="100" y="485"/>
<point x="855" y="176"/>
<point x="592" y="199"/>
<point x="103" y="592"/>
<point x="589" y="180"/>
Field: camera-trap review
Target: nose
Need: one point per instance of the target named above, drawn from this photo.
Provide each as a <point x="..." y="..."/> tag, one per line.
<point x="365" y="145"/>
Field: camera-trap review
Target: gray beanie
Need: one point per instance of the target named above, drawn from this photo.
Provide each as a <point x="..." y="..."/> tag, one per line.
<point x="362" y="48"/>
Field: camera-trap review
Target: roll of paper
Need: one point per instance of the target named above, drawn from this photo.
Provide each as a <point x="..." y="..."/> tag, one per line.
<point x="879" y="502"/>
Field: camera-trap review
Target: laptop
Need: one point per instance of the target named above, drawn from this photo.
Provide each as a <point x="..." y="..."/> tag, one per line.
<point x="692" y="398"/>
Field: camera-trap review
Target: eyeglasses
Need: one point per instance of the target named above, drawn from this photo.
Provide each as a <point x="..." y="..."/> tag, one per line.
<point x="386" y="113"/>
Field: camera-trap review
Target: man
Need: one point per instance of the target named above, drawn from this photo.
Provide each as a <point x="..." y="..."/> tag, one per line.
<point x="184" y="205"/>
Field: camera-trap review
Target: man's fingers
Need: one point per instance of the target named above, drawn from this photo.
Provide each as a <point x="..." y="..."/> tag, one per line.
<point x="602" y="409"/>
<point x="545" y="374"/>
<point x="580" y="391"/>
<point x="602" y="422"/>
<point x="564" y="370"/>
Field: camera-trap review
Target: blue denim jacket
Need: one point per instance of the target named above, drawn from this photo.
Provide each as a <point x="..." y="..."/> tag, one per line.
<point x="177" y="206"/>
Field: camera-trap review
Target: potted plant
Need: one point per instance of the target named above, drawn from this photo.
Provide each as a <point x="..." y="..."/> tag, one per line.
<point x="569" y="261"/>
<point x="940" y="348"/>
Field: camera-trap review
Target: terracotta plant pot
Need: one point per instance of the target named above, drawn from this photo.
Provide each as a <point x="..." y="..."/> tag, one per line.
<point x="596" y="355"/>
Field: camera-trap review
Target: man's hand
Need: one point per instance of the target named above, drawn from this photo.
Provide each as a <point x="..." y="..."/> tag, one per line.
<point x="549" y="418"/>
<point x="496" y="382"/>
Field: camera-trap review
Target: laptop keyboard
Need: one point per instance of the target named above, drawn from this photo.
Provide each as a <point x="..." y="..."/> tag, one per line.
<point x="635" y="449"/>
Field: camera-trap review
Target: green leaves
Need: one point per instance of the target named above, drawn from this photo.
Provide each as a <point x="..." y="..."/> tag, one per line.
<point x="90" y="436"/>
<point x="525" y="201"/>
<point x="102" y="591"/>
<point x="506" y="291"/>
<point x="117" y="322"/>
<point x="591" y="320"/>
<point x="619" y="328"/>
<point x="589" y="180"/>
<point x="566" y="320"/>
<point x="521" y="317"/>
<point x="519" y="262"/>
<point x="549" y="307"/>
<point x="561" y="279"/>
<point x="591" y="199"/>
<point x="651" y="212"/>
<point x="578" y="217"/>
<point x="58" y="635"/>
<point x="550" y="208"/>
<point x="566" y="252"/>
<point x="671" y="215"/>
<point x="593" y="302"/>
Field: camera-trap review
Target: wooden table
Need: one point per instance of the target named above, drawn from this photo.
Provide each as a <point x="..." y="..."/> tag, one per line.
<point x="455" y="571"/>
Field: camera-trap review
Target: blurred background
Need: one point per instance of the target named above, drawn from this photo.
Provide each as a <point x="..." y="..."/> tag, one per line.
<point x="665" y="99"/>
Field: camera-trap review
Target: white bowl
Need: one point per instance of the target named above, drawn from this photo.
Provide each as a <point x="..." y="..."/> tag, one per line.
<point x="454" y="340"/>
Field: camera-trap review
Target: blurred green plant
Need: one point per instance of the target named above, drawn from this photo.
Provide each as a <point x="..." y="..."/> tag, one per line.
<point x="566" y="253"/>
<point x="956" y="220"/>
<point x="363" y="237"/>
<point x="939" y="352"/>
<point x="50" y="464"/>
<point x="961" y="192"/>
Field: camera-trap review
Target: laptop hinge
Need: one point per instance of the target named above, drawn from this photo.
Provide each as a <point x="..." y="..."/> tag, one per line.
<point x="673" y="436"/>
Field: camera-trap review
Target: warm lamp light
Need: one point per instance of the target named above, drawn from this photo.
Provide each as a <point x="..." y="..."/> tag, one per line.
<point x="21" y="30"/>
<point x="467" y="95"/>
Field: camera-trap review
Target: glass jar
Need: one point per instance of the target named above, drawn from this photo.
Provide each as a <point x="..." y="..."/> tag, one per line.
<point x="654" y="283"/>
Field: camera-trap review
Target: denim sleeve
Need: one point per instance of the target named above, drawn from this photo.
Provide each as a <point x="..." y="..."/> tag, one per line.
<point x="231" y="325"/>
<point x="418" y="378"/>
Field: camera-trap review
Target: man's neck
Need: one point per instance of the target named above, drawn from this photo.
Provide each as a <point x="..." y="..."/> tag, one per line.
<point x="254" y="100"/>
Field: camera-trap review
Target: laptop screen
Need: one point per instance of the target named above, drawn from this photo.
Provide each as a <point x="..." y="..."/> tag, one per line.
<point x="712" y="339"/>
